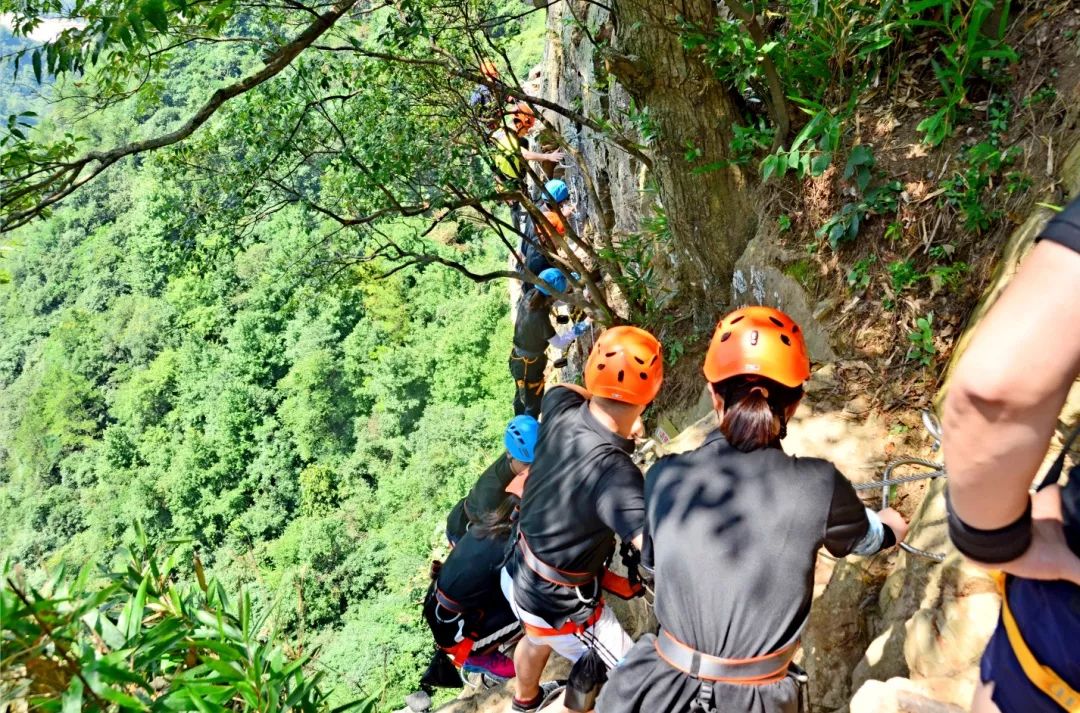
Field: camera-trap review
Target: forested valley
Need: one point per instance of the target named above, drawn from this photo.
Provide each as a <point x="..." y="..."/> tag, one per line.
<point x="299" y="418"/>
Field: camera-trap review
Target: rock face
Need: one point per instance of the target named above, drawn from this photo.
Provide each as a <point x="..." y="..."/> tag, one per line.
<point x="898" y="695"/>
<point x="606" y="182"/>
<point x="896" y="632"/>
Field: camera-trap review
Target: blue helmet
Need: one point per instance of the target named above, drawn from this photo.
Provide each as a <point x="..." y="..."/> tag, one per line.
<point x="520" y="438"/>
<point x="557" y="190"/>
<point x="553" y="277"/>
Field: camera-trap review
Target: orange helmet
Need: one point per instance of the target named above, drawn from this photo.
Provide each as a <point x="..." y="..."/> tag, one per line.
<point x="625" y="365"/>
<point x="758" y="340"/>
<point x="523" y="119"/>
<point x="489" y="70"/>
<point x="555" y="218"/>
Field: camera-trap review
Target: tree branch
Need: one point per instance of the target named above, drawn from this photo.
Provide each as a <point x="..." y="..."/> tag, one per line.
<point x="277" y="62"/>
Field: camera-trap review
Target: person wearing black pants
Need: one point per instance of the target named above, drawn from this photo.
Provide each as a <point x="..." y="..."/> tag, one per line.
<point x="532" y="330"/>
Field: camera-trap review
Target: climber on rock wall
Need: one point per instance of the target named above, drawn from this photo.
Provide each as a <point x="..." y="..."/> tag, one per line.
<point x="485" y="102"/>
<point x="732" y="534"/>
<point x="512" y="152"/>
<point x="464" y="607"/>
<point x="1001" y="410"/>
<point x="489" y="490"/>
<point x="532" y="331"/>
<point x="536" y="243"/>
<point x="582" y="489"/>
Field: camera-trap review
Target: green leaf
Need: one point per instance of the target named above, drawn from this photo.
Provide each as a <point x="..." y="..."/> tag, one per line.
<point x="35" y="61"/>
<point x="768" y="167"/>
<point x="121" y="699"/>
<point x="137" y="605"/>
<point x="363" y="705"/>
<point x="154" y="12"/>
<point x="861" y="155"/>
<point x="820" y="164"/>
<point x="125" y="37"/>
<point x="136" y="24"/>
<point x="73" y="696"/>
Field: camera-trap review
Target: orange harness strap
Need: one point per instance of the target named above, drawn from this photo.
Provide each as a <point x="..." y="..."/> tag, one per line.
<point x="570" y="627"/>
<point x="756" y="671"/>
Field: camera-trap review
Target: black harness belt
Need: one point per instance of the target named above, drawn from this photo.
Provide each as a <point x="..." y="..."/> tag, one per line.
<point x="552" y="574"/>
<point x="447" y="603"/>
<point x="756" y="671"/>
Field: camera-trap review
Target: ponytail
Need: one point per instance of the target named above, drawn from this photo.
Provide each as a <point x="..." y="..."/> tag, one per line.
<point x="755" y="411"/>
<point x="497" y="523"/>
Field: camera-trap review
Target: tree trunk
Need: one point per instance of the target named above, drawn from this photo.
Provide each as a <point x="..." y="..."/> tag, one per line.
<point x="710" y="210"/>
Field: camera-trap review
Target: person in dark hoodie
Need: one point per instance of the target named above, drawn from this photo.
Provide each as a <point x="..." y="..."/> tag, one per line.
<point x="465" y="609"/>
<point x="732" y="533"/>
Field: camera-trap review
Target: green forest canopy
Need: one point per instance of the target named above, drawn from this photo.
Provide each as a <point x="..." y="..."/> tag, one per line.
<point x="249" y="387"/>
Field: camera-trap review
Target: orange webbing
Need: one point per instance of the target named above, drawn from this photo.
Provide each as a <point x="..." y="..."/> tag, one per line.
<point x="570" y="627"/>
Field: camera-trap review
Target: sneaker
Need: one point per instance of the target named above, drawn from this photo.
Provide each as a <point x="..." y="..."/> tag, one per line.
<point x="549" y="690"/>
<point x="495" y="664"/>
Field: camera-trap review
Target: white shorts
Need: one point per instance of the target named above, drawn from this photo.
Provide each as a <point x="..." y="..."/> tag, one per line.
<point x="606" y="635"/>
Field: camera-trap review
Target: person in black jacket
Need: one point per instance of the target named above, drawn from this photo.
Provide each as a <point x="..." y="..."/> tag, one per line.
<point x="465" y="608"/>
<point x="532" y="330"/>
<point x="732" y="533"/>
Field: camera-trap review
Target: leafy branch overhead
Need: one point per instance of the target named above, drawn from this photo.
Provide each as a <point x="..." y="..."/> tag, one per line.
<point x="418" y="62"/>
<point x="143" y="640"/>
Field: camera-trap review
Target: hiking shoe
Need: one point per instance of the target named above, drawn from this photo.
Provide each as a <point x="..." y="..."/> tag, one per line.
<point x="549" y="690"/>
<point x="495" y="664"/>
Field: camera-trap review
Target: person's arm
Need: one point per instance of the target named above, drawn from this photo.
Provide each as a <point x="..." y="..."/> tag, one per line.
<point x="853" y="529"/>
<point x="528" y="155"/>
<point x="620" y="502"/>
<point x="1003" y="404"/>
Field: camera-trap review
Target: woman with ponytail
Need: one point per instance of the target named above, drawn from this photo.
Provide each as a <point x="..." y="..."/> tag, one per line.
<point x="732" y="534"/>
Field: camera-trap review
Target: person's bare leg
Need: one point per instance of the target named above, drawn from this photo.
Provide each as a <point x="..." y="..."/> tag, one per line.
<point x="983" y="701"/>
<point x="529" y="662"/>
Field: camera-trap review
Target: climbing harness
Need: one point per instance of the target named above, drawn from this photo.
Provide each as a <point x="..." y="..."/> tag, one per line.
<point x="569" y="627"/>
<point x="935" y="470"/>
<point x="527" y="389"/>
<point x="560" y="577"/>
<point x="710" y="670"/>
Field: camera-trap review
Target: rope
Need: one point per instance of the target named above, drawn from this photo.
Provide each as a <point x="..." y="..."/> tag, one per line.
<point x="937" y="470"/>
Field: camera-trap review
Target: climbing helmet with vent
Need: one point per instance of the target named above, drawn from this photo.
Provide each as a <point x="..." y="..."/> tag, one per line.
<point x="625" y="365"/>
<point x="557" y="189"/>
<point x="758" y="340"/>
<point x="553" y="277"/>
<point x="520" y="438"/>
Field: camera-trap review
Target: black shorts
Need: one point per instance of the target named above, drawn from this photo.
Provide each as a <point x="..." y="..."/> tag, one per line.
<point x="1048" y="616"/>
